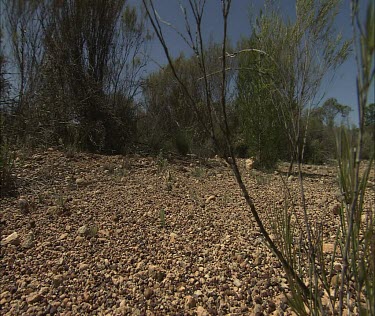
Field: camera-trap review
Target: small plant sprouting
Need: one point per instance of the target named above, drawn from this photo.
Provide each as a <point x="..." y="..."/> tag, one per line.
<point x="198" y="172"/>
<point x="162" y="218"/>
<point x="161" y="162"/>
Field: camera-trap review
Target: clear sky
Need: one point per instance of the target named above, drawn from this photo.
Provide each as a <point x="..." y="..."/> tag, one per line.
<point x="343" y="85"/>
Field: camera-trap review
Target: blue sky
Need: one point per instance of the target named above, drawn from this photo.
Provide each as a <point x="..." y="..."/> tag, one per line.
<point x="342" y="87"/>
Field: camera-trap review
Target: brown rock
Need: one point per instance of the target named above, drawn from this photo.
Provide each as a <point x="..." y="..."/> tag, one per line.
<point x="202" y="311"/>
<point x="249" y="164"/>
<point x="83" y="266"/>
<point x="29" y="240"/>
<point x="12" y="239"/>
<point x="80" y="182"/>
<point x="336" y="209"/>
<point x="173" y="237"/>
<point x="57" y="280"/>
<point x="148" y="293"/>
<point x="190" y="302"/>
<point x="83" y="231"/>
<point x="63" y="236"/>
<point x="33" y="298"/>
<point x="328" y="247"/>
<point x="24" y="206"/>
<point x="210" y="198"/>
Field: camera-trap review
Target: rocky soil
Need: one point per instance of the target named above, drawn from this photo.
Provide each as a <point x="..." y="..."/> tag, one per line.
<point x="114" y="235"/>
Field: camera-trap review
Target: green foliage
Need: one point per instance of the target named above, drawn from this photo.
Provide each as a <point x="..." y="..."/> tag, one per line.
<point x="260" y="122"/>
<point x="357" y="224"/>
<point x="298" y="54"/>
<point x="370" y="115"/>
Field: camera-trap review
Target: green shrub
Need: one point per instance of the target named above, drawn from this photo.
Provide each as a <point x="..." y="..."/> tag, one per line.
<point x="182" y="143"/>
<point x="7" y="183"/>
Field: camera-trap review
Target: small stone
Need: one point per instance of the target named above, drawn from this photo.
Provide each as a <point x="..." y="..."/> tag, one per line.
<point x="257" y="261"/>
<point x="190" y="302"/>
<point x="44" y="290"/>
<point x="83" y="266"/>
<point x="210" y="198"/>
<point x="148" y="293"/>
<point x="156" y="273"/>
<point x="249" y="163"/>
<point x="173" y="237"/>
<point x="33" y="298"/>
<point x="80" y="182"/>
<point x="201" y="311"/>
<point x="328" y="247"/>
<point x="104" y="232"/>
<point x="237" y="282"/>
<point x="57" y="280"/>
<point x="5" y="294"/>
<point x="63" y="236"/>
<point x="53" y="210"/>
<point x="198" y="293"/>
<point x="29" y="240"/>
<point x="290" y="178"/>
<point x="271" y="307"/>
<point x="24" y="205"/>
<point x="123" y="304"/>
<point x="258" y="310"/>
<point x="12" y="239"/>
<point x="336" y="209"/>
<point x="83" y="230"/>
<point x="79" y="238"/>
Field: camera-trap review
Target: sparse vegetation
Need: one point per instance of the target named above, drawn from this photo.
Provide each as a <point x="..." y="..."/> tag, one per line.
<point x="75" y="82"/>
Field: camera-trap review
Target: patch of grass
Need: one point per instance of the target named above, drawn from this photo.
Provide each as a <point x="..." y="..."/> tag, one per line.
<point x="198" y="172"/>
<point x="260" y="178"/>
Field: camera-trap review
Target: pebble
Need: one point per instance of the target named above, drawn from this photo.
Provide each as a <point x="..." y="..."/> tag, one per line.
<point x="190" y="302"/>
<point x="148" y="293"/>
<point x="12" y="239"/>
<point x="33" y="298"/>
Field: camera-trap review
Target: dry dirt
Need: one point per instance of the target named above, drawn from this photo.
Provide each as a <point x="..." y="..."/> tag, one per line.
<point x="114" y="235"/>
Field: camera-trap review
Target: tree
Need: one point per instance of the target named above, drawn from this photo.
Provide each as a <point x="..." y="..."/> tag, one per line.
<point x="304" y="51"/>
<point x="170" y="122"/>
<point x="94" y="64"/>
<point x="167" y="115"/>
<point x="330" y="109"/>
<point x="24" y="54"/>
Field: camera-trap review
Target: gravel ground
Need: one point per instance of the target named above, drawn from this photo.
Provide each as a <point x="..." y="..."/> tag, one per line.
<point x="113" y="235"/>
